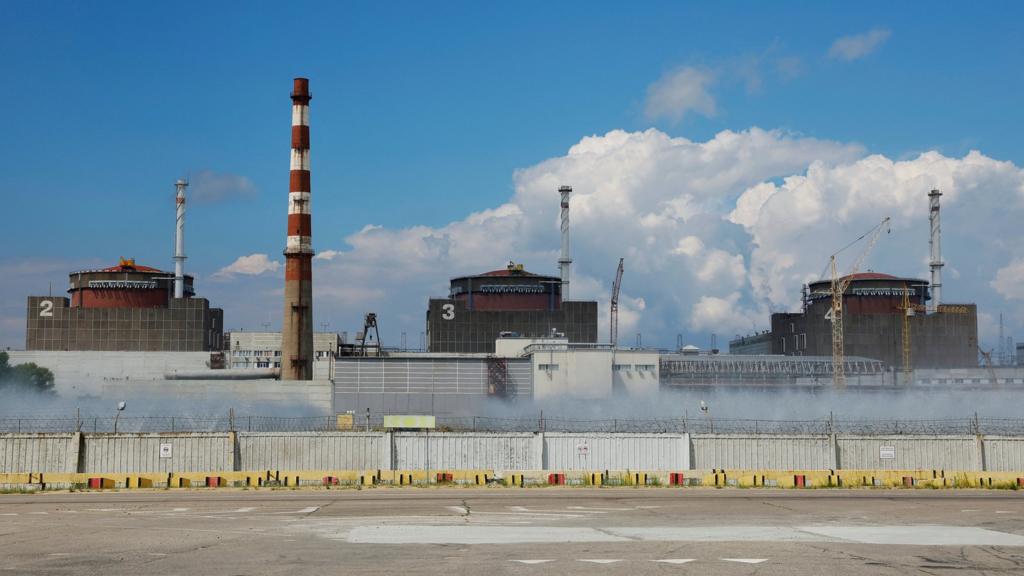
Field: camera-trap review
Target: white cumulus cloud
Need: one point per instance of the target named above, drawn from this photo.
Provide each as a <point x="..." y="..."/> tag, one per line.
<point x="857" y="46"/>
<point x="715" y="234"/>
<point x="680" y="92"/>
<point x="251" y="265"/>
<point x="1009" y="280"/>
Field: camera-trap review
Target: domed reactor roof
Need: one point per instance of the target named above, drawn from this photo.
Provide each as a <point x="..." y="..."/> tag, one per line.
<point x="125" y="285"/>
<point x="511" y="288"/>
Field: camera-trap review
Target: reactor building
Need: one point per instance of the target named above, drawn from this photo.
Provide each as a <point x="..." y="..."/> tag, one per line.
<point x="901" y="321"/>
<point x="127" y="307"/>
<point x="877" y="323"/>
<point x="511" y="302"/>
<point x="508" y="302"/>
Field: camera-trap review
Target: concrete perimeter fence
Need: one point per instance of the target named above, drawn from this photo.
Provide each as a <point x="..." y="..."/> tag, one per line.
<point x="499" y="451"/>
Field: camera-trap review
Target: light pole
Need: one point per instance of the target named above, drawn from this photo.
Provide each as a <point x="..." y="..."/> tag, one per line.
<point x="120" y="408"/>
<point x="707" y="414"/>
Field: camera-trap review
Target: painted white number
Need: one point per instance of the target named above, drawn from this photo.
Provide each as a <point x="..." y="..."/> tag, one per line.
<point x="828" y="315"/>
<point x="46" y="308"/>
<point x="448" y="311"/>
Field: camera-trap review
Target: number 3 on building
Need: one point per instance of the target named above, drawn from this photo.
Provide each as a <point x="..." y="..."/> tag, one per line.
<point x="46" y="308"/>
<point x="448" y="311"/>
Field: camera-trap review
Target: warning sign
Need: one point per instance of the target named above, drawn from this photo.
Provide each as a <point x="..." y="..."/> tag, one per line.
<point x="887" y="452"/>
<point x="165" y="450"/>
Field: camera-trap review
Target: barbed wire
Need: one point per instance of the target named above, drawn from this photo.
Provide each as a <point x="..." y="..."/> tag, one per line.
<point x="524" y="424"/>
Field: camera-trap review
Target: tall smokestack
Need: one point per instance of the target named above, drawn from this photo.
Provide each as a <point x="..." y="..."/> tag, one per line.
<point x="565" y="260"/>
<point x="297" y="328"/>
<point x="935" y="243"/>
<point x="179" y="241"/>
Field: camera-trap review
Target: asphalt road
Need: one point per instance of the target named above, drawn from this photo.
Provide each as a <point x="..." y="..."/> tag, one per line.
<point x="509" y="531"/>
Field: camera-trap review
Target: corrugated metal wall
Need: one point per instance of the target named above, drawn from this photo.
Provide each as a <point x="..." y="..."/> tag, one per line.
<point x="426" y="376"/>
<point x="38" y="453"/>
<point x="141" y="453"/>
<point x="1004" y="453"/>
<point x="469" y="451"/>
<point x="761" y="451"/>
<point x="616" y="451"/>
<point x="314" y="451"/>
<point x="912" y="452"/>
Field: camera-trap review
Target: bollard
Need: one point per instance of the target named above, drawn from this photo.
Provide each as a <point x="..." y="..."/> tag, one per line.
<point x="330" y="481"/>
<point x="800" y="481"/>
<point x="100" y="483"/>
<point x="556" y="479"/>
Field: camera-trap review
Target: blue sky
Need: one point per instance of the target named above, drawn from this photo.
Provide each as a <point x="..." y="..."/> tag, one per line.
<point x="423" y="112"/>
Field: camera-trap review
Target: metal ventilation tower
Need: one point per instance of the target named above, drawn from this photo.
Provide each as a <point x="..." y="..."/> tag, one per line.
<point x="179" y="240"/>
<point x="565" y="260"/>
<point x="935" y="244"/>
<point x="297" y="328"/>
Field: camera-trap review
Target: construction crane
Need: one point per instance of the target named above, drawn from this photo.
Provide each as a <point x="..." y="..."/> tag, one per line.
<point x="614" y="316"/>
<point x="908" y="312"/>
<point x="370" y="323"/>
<point x="839" y="286"/>
<point x="987" y="361"/>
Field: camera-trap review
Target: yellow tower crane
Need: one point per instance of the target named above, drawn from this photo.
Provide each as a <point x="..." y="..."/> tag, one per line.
<point x="908" y="312"/>
<point x="613" y="317"/>
<point x="839" y="286"/>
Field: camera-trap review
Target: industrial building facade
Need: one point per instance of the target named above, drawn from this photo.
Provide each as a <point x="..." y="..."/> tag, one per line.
<point x="482" y="308"/>
<point x="873" y="324"/>
<point x="123" y="308"/>
<point x="263" y="349"/>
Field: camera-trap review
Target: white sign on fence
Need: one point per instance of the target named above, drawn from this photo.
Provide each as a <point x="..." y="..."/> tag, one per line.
<point x="165" y="450"/>
<point x="887" y="452"/>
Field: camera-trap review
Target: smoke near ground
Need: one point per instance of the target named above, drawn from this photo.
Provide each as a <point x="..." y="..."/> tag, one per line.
<point x="748" y="404"/>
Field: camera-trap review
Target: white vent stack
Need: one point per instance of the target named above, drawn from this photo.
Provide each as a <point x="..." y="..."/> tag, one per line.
<point x="179" y="241"/>
<point x="935" y="244"/>
<point x="565" y="260"/>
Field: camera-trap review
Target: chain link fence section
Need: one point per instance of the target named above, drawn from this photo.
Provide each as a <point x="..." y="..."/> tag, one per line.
<point x="539" y="423"/>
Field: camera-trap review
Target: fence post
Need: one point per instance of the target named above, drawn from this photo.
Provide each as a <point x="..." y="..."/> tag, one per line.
<point x="19" y="425"/>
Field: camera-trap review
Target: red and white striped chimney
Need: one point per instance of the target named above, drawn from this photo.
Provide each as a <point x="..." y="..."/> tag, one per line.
<point x="297" y="328"/>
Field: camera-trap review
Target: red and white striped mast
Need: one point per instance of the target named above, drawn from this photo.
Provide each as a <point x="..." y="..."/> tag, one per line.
<point x="297" y="329"/>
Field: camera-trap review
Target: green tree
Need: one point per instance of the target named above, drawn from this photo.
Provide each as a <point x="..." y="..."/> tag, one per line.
<point x="27" y="377"/>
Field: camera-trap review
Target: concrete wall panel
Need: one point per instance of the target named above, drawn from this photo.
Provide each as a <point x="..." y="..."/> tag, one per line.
<point x="198" y="452"/>
<point x="467" y="451"/>
<point x="911" y="452"/>
<point x="761" y="451"/>
<point x="1004" y="453"/>
<point x="314" y="451"/>
<point x="616" y="451"/>
<point x="38" y="453"/>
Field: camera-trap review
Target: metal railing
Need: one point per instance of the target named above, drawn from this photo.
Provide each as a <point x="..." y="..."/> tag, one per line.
<point x="540" y="423"/>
